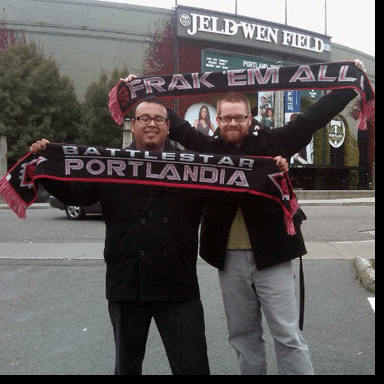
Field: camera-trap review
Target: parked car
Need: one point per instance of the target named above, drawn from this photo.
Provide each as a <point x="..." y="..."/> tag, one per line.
<point x="74" y="212"/>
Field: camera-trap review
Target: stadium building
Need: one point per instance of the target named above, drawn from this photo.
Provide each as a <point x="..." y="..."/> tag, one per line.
<point x="88" y="36"/>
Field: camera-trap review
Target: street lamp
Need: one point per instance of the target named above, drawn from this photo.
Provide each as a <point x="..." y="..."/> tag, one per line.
<point x="3" y="155"/>
<point x="127" y="133"/>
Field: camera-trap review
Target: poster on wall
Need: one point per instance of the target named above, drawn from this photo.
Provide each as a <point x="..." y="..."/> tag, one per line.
<point x="202" y="116"/>
<point x="266" y="109"/>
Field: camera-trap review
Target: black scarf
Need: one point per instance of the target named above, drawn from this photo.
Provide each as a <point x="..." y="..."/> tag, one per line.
<point x="334" y="75"/>
<point x="237" y="174"/>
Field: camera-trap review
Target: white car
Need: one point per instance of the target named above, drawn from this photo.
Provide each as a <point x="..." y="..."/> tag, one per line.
<point x="74" y="212"/>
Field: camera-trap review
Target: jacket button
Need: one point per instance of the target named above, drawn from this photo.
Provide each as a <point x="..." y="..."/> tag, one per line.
<point x="142" y="221"/>
<point x="165" y="220"/>
<point x="142" y="253"/>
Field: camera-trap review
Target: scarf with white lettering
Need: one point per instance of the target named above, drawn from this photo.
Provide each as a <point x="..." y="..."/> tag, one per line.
<point x="185" y="170"/>
<point x="335" y="75"/>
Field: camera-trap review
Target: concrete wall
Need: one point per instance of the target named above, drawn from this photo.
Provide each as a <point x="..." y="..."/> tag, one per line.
<point x="86" y="36"/>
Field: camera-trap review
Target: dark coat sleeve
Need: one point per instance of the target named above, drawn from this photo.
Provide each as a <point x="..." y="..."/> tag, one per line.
<point x="182" y="132"/>
<point x="73" y="193"/>
<point x="297" y="134"/>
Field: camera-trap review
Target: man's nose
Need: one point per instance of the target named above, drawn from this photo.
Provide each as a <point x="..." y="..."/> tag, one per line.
<point x="152" y="123"/>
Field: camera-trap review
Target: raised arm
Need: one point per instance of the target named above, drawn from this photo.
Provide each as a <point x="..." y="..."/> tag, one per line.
<point x="181" y="131"/>
<point x="297" y="134"/>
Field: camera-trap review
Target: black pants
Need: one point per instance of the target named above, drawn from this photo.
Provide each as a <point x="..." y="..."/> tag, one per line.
<point x="180" y="324"/>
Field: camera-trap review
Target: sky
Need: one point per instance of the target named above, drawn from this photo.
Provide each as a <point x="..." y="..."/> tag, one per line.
<point x="349" y="22"/>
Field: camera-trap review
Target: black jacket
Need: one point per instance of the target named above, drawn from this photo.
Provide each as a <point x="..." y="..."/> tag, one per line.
<point x="151" y="239"/>
<point x="264" y="219"/>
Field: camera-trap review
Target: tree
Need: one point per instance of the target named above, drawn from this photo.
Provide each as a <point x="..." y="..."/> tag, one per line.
<point x="97" y="126"/>
<point x="159" y="57"/>
<point x="37" y="101"/>
<point x="9" y="38"/>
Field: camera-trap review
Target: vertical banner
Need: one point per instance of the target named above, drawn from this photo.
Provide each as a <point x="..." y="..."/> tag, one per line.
<point x="291" y="110"/>
<point x="292" y="104"/>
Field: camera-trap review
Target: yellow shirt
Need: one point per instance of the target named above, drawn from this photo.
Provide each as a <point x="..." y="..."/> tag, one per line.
<point x="238" y="236"/>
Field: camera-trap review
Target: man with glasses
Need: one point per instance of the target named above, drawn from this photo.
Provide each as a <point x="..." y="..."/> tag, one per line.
<point x="150" y="129"/>
<point x="150" y="252"/>
<point x="246" y="239"/>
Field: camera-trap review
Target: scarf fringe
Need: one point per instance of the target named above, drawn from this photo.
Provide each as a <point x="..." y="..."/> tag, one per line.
<point x="367" y="111"/>
<point x="289" y="214"/>
<point x="15" y="202"/>
<point x="114" y="107"/>
<point x="291" y="230"/>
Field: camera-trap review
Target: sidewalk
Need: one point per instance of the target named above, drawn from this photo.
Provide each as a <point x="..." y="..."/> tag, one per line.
<point x="94" y="251"/>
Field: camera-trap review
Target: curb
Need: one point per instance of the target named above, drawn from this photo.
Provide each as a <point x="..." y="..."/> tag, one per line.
<point x="33" y="206"/>
<point x="337" y="202"/>
<point x="365" y="273"/>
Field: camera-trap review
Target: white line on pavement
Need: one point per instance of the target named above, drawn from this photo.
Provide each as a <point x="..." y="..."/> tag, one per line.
<point x="372" y="302"/>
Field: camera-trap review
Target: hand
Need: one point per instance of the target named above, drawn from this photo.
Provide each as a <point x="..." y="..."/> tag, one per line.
<point x="129" y="78"/>
<point x="282" y="163"/>
<point x="359" y="64"/>
<point x="38" y="146"/>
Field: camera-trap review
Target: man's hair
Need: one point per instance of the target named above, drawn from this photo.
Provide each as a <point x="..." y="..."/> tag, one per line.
<point x="152" y="100"/>
<point x="233" y="97"/>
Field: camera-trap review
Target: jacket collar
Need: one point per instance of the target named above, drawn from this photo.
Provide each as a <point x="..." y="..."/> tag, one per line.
<point x="167" y="146"/>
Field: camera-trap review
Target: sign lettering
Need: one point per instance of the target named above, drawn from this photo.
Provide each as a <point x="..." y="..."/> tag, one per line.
<point x="233" y="29"/>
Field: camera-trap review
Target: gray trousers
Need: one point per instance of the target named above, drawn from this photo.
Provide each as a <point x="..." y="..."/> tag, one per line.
<point x="245" y="291"/>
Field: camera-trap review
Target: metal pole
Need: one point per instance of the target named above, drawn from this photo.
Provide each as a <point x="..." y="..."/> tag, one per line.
<point x="326" y="16"/>
<point x="127" y="133"/>
<point x="286" y="13"/>
<point x="3" y="155"/>
<point x="175" y="59"/>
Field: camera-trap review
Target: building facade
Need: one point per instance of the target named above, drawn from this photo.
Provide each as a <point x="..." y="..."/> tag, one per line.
<point x="88" y="36"/>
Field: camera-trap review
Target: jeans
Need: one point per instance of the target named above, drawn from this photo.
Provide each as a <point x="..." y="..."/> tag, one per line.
<point x="245" y="291"/>
<point x="180" y="324"/>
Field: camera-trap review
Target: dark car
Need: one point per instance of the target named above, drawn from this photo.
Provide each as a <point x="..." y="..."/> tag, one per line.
<point x="75" y="212"/>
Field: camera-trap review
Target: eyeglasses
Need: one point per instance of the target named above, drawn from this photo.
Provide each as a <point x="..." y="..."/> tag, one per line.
<point x="145" y="119"/>
<point x="228" y="119"/>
